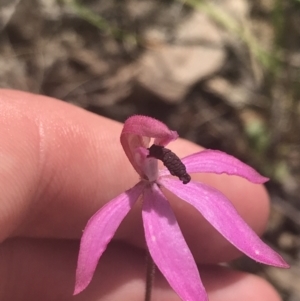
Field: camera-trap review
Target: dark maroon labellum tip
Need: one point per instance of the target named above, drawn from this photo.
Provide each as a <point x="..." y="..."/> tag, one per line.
<point x="171" y="161"/>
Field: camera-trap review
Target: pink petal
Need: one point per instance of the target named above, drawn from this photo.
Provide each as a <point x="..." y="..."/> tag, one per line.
<point x="98" y="233"/>
<point x="213" y="161"/>
<point x="168" y="247"/>
<point x="137" y="132"/>
<point x="222" y="215"/>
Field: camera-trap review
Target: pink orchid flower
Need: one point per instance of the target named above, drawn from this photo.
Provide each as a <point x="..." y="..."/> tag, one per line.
<point x="164" y="239"/>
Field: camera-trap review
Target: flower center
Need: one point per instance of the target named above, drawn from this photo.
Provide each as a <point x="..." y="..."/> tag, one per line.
<point x="171" y="161"/>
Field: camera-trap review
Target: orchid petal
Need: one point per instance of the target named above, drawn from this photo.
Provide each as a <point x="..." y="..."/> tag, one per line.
<point x="137" y="132"/>
<point x="98" y="233"/>
<point x="222" y="215"/>
<point x="168" y="248"/>
<point x="213" y="161"/>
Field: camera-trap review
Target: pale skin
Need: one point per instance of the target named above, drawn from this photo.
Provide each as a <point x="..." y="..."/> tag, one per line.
<point x="58" y="165"/>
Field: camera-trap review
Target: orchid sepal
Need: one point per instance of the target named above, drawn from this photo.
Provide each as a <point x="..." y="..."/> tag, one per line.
<point x="99" y="231"/>
<point x="222" y="215"/>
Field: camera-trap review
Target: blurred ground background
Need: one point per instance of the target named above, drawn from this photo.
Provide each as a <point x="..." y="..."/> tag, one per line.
<point x="223" y="73"/>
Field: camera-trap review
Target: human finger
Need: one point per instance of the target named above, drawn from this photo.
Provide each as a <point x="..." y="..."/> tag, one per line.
<point x="59" y="164"/>
<point x="45" y="270"/>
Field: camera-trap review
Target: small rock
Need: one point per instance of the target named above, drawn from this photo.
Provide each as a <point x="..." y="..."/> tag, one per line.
<point x="169" y="70"/>
<point x="7" y="8"/>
